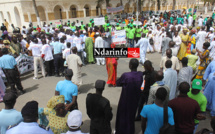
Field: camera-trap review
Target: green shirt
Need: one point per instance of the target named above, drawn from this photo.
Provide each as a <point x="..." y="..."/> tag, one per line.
<point x="118" y="28"/>
<point x="213" y="15"/>
<point x="89" y="24"/>
<point x="201" y="99"/>
<point x="178" y="20"/>
<point x="106" y="17"/>
<point x="192" y="61"/>
<point x="171" y="19"/>
<point x="82" y="27"/>
<point x="194" y="17"/>
<point x="73" y="27"/>
<point x="131" y="33"/>
<point x="137" y="32"/>
<point x="145" y="31"/>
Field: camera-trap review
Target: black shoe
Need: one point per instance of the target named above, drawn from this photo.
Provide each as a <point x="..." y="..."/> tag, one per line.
<point x="22" y="92"/>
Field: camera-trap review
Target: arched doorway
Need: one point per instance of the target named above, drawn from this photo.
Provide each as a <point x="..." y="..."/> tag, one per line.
<point x="126" y="9"/>
<point x="58" y="12"/>
<point x="98" y="9"/>
<point x="134" y="7"/>
<point x="17" y="17"/>
<point x="73" y="11"/>
<point x="9" y="17"/>
<point x="87" y="10"/>
<point x="118" y="5"/>
<point x="41" y="13"/>
<point x="2" y="17"/>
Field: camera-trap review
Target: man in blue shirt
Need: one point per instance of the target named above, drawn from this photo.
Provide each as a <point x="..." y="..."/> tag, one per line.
<point x="153" y="114"/>
<point x="29" y="124"/>
<point x="8" y="65"/>
<point x="58" y="58"/>
<point x="9" y="116"/>
<point x="68" y="90"/>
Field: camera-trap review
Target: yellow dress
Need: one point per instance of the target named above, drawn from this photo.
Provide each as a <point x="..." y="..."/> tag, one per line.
<point x="203" y="64"/>
<point x="57" y="124"/>
<point x="183" y="47"/>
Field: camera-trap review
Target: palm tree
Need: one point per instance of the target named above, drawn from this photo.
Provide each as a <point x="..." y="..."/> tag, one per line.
<point x="36" y="12"/>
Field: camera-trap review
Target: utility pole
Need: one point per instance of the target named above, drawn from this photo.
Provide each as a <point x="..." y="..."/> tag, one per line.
<point x="36" y="12"/>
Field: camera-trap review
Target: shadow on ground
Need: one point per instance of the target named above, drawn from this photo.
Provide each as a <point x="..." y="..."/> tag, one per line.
<point x="26" y="76"/>
<point x="85" y="88"/>
<point x="30" y="89"/>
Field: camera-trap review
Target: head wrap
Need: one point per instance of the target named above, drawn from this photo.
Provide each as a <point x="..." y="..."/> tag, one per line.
<point x="55" y="100"/>
<point x="6" y="42"/>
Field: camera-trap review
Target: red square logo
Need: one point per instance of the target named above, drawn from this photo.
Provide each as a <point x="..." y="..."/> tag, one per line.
<point x="133" y="52"/>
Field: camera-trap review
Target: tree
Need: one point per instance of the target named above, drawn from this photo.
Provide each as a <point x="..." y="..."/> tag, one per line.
<point x="173" y="6"/>
<point x="36" y="12"/>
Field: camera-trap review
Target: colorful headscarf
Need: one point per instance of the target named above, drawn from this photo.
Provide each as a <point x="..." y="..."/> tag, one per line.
<point x="55" y="100"/>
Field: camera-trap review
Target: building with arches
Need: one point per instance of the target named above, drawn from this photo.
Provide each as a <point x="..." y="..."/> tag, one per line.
<point x="21" y="12"/>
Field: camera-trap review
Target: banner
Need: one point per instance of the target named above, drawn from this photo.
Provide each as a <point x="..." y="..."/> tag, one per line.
<point x="115" y="9"/>
<point x="58" y="23"/>
<point x="118" y="37"/>
<point x="99" y="21"/>
<point x="25" y="63"/>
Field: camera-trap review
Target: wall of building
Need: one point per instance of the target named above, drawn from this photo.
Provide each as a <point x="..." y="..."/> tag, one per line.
<point x="20" y="12"/>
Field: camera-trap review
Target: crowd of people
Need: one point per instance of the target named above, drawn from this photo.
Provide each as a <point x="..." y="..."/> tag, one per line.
<point x="174" y="97"/>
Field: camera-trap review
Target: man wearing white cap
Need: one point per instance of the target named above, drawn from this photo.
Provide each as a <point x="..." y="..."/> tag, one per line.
<point x="74" y="122"/>
<point x="99" y="43"/>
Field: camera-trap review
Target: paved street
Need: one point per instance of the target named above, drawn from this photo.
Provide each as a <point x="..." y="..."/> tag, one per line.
<point x="43" y="89"/>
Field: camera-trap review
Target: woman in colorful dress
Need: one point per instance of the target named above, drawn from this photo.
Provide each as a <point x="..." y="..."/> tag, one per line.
<point x="111" y="66"/>
<point x="57" y="114"/>
<point x="204" y="60"/>
<point x="183" y="47"/>
<point x="92" y="34"/>
<point x="189" y="45"/>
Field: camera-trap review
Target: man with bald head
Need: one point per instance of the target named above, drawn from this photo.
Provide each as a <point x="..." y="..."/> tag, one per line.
<point x="159" y="83"/>
<point x="175" y="61"/>
<point x="74" y="62"/>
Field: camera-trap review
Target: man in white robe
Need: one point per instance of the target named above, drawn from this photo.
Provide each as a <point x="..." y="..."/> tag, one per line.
<point x="144" y="44"/>
<point x="190" y="21"/>
<point x="99" y="43"/>
<point x="200" y="21"/>
<point x="201" y="36"/>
